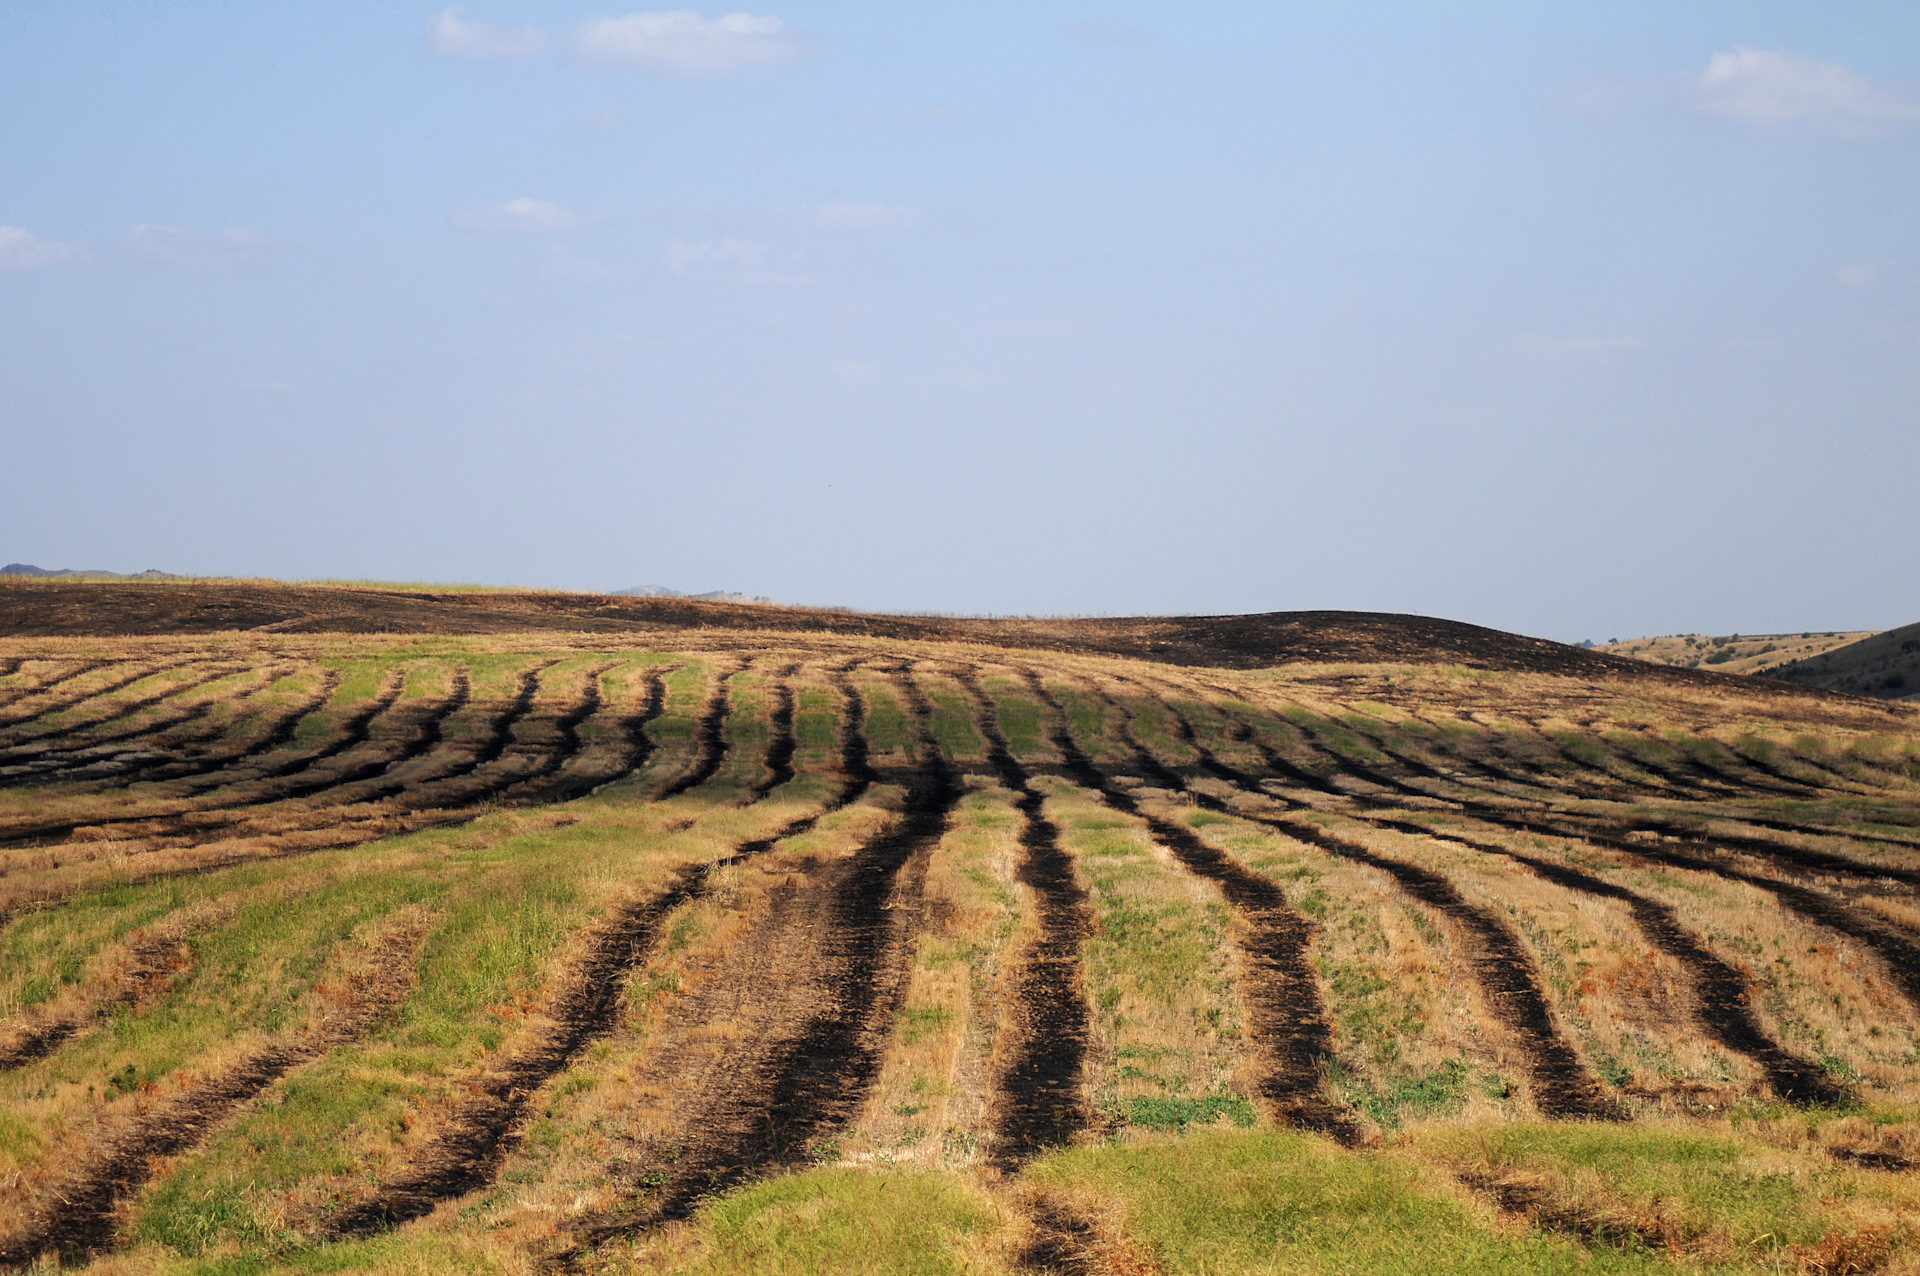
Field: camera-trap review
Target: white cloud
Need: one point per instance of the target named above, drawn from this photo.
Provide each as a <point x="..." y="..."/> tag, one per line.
<point x="452" y="36"/>
<point x="519" y="215"/>
<point x="1581" y="349"/>
<point x="1763" y="86"/>
<point x="1856" y="276"/>
<point x="681" y="42"/>
<point x="864" y="214"/>
<point x="853" y="372"/>
<point x="237" y="248"/>
<point x="721" y="257"/>
<point x="21" y="249"/>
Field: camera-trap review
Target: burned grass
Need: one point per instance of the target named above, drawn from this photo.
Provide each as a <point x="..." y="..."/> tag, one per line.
<point x="745" y="934"/>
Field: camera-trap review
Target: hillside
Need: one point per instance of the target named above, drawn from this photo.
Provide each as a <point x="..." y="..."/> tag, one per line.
<point x="1885" y="665"/>
<point x="1734" y="653"/>
<point x="409" y="931"/>
<point x="60" y="609"/>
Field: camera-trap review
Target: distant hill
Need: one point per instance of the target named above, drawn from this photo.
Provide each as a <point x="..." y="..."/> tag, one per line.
<point x="69" y="573"/>
<point x="1733" y="653"/>
<point x="711" y="596"/>
<point x="1886" y="666"/>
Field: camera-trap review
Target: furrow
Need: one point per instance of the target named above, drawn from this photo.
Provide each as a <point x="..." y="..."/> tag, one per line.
<point x="781" y="1095"/>
<point x="1563" y="1086"/>
<point x="121" y="710"/>
<point x="468" y="1155"/>
<point x="1724" y="997"/>
<point x="1040" y="1102"/>
<point x="1288" y="1018"/>
<point x="53" y="684"/>
<point x="78" y="1218"/>
<point x="710" y="746"/>
<point x="172" y="769"/>
<point x="780" y="744"/>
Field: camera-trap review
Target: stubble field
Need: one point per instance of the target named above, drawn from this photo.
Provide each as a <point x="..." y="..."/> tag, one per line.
<point x="751" y="950"/>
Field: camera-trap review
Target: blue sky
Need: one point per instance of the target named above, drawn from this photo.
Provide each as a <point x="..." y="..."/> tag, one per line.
<point x="1583" y="320"/>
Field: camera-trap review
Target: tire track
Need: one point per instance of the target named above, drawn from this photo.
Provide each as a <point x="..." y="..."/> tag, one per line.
<point x="709" y="739"/>
<point x="791" y="1088"/>
<point x="1563" y="1086"/>
<point x="77" y="1219"/>
<point x="1040" y="1104"/>
<point x="1287" y="1016"/>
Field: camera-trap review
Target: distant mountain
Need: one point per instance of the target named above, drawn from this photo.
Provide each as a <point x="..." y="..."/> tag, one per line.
<point x="69" y="573"/>
<point x="1886" y="666"/>
<point x="711" y="596"/>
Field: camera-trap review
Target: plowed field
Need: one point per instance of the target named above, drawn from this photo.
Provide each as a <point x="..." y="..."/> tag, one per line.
<point x="720" y="947"/>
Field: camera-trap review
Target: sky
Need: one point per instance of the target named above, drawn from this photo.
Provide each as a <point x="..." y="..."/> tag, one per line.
<point x="1582" y="320"/>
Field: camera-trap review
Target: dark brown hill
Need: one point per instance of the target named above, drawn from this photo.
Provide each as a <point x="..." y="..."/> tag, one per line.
<point x="1886" y="665"/>
<point x="38" y="608"/>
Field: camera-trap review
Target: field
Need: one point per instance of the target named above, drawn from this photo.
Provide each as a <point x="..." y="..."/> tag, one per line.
<point x="711" y="939"/>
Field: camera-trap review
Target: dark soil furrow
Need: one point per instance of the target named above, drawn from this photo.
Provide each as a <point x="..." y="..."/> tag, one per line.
<point x="467" y="1154"/>
<point x="116" y="773"/>
<point x="782" y="1099"/>
<point x="1039" y="1102"/>
<point x="79" y="1218"/>
<point x="355" y="732"/>
<point x="780" y="744"/>
<point x="1901" y="954"/>
<point x="54" y="684"/>
<point x="710" y="745"/>
<point x="72" y="764"/>
<point x="148" y="963"/>
<point x="217" y="823"/>
<point x="535" y="786"/>
<point x="1288" y="1018"/>
<point x="1563" y="1085"/>
<point x="119" y="710"/>
<point x="1724" y="995"/>
<point x="1790" y="858"/>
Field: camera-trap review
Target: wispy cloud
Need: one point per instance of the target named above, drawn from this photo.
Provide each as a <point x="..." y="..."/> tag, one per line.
<point x="737" y="261"/>
<point x="237" y="248"/>
<point x="865" y="214"/>
<point x="519" y="216"/>
<point x="1766" y="86"/>
<point x="21" y="249"/>
<point x="681" y="42"/>
<point x="854" y="372"/>
<point x="452" y="36"/>
<point x="1576" y="349"/>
